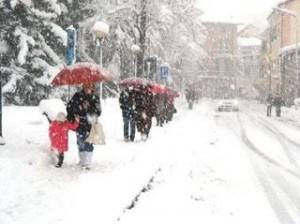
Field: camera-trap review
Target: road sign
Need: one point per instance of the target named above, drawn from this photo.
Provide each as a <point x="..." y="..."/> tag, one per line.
<point x="164" y="72"/>
<point x="71" y="45"/>
<point x="150" y="67"/>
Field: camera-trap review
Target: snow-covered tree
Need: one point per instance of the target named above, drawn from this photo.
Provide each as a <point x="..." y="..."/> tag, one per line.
<point x="31" y="48"/>
<point x="177" y="35"/>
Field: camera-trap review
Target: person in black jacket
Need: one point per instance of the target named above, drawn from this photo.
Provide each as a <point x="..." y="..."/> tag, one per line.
<point x="87" y="106"/>
<point x="145" y="108"/>
<point x="127" y="105"/>
<point x="278" y="103"/>
<point x="269" y="105"/>
<point x="190" y="97"/>
<point x="160" y="101"/>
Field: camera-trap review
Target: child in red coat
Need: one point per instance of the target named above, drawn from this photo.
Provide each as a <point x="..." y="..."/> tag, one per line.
<point x="58" y="133"/>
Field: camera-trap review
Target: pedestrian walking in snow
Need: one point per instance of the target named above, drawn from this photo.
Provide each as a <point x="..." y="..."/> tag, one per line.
<point x="160" y="101"/>
<point x="190" y="97"/>
<point x="269" y="105"/>
<point x="58" y="133"/>
<point x="278" y="103"/>
<point x="87" y="106"/>
<point x="127" y="105"/>
<point x="171" y="110"/>
<point x="145" y="108"/>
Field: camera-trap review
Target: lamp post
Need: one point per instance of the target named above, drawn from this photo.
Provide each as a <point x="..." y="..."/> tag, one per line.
<point x="2" y="142"/>
<point x="100" y="30"/>
<point x="71" y="49"/>
<point x="135" y="49"/>
<point x="293" y="14"/>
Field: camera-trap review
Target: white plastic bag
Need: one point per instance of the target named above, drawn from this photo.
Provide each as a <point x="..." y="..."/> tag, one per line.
<point x="96" y="136"/>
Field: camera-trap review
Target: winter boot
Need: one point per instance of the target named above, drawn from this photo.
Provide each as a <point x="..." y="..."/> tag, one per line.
<point x="144" y="137"/>
<point x="81" y="158"/>
<point x="89" y="156"/>
<point x="132" y="138"/>
<point x="60" y="158"/>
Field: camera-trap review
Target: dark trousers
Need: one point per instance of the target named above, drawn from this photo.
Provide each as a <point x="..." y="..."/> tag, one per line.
<point x="269" y="110"/>
<point x="159" y="120"/>
<point x="83" y="146"/>
<point x="191" y="103"/>
<point x="148" y="126"/>
<point x="129" y="127"/>
<point x="278" y="111"/>
<point x="144" y="125"/>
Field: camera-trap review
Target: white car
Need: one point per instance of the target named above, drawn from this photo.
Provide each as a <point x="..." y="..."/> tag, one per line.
<point x="228" y="105"/>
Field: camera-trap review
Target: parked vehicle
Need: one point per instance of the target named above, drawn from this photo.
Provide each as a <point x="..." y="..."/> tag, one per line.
<point x="228" y="105"/>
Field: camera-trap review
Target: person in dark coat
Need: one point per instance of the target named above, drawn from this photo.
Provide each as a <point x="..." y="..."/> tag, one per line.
<point x="127" y="105"/>
<point x="160" y="101"/>
<point x="86" y="104"/>
<point x="278" y="103"/>
<point x="145" y="109"/>
<point x="190" y="97"/>
<point x="269" y="105"/>
<point x="171" y="110"/>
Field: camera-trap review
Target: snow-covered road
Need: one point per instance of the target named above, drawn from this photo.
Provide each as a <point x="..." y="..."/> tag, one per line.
<point x="203" y="167"/>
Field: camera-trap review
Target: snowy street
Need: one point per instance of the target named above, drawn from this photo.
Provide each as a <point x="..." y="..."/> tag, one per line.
<point x="204" y="166"/>
<point x="149" y="112"/>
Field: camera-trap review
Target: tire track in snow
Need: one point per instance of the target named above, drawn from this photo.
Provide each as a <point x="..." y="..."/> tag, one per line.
<point x="281" y="138"/>
<point x="265" y="179"/>
<point x="261" y="154"/>
<point x="285" y="122"/>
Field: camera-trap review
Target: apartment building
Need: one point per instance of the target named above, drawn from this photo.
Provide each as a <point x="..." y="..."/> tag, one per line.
<point x="218" y="79"/>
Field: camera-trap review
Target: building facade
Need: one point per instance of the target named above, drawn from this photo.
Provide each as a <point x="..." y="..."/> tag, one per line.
<point x="218" y="79"/>
<point x="282" y="41"/>
<point x="248" y="70"/>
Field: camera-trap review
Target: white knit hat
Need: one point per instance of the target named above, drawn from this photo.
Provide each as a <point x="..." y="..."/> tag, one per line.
<point x="61" y="116"/>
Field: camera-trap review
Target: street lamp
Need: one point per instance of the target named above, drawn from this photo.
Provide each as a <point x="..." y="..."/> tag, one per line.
<point x="100" y="30"/>
<point x="293" y="14"/>
<point x="135" y="49"/>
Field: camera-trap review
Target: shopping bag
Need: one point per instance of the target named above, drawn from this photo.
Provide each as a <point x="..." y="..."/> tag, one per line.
<point x="96" y="135"/>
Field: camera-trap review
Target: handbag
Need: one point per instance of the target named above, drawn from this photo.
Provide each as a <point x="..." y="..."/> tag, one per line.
<point x="96" y="135"/>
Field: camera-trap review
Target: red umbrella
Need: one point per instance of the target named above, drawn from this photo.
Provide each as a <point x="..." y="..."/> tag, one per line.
<point x="171" y="92"/>
<point x="135" y="82"/>
<point x="158" y="88"/>
<point x="81" y="73"/>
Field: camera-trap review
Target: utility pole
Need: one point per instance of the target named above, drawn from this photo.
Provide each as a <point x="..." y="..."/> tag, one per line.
<point x="2" y="142"/>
